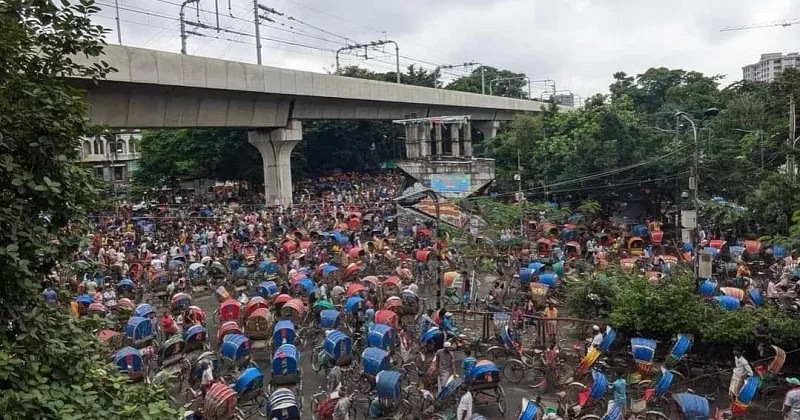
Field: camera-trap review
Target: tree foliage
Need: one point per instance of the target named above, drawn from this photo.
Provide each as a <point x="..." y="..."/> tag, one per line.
<point x="638" y="307"/>
<point x="512" y="85"/>
<point x="51" y="366"/>
<point x="631" y="143"/>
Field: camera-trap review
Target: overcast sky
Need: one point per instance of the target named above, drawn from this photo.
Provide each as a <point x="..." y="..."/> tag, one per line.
<point x="577" y="43"/>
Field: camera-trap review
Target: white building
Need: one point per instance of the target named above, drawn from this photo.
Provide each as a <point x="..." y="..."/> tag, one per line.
<point x="113" y="157"/>
<point x="770" y="66"/>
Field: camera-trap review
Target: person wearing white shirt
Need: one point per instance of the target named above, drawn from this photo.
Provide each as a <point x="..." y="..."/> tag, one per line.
<point x="741" y="371"/>
<point x="464" y="411"/>
<point x="598" y="336"/>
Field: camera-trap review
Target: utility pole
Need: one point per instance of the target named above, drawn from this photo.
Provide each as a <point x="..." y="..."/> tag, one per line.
<point x="183" y="25"/>
<point x="258" y="31"/>
<point x="119" y="31"/>
<point x="520" y="197"/>
<point x="790" y="140"/>
<point x="372" y="44"/>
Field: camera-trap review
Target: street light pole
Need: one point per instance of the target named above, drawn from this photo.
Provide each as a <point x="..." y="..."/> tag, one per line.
<point x="696" y="177"/>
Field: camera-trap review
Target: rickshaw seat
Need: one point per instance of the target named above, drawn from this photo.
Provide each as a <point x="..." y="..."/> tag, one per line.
<point x="291" y="379"/>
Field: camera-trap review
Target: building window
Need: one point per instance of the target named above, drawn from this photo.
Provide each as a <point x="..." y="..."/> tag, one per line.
<point x="116" y="146"/>
<point x="119" y="173"/>
<point x="98" y="147"/>
<point x="98" y="173"/>
<point x="87" y="148"/>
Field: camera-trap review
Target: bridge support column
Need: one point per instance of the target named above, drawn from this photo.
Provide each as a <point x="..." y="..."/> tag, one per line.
<point x="468" y="139"/>
<point x="412" y="141"/>
<point x="455" y="141"/>
<point x="438" y="139"/>
<point x="424" y="139"/>
<point x="275" y="146"/>
<point x="488" y="128"/>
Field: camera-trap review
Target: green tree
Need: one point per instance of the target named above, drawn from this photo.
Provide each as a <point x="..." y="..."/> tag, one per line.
<point x="51" y="366"/>
<point x="515" y="85"/>
<point x="171" y="155"/>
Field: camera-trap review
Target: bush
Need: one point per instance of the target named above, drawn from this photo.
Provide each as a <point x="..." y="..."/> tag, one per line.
<point x="578" y="290"/>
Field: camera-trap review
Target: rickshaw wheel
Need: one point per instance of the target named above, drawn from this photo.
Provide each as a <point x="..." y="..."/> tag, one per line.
<point x="572" y="392"/>
<point x="419" y="361"/>
<point x="314" y="405"/>
<point x="775" y="407"/>
<point x="514" y="371"/>
<point x="496" y="353"/>
<point x="501" y="399"/>
<point x="262" y="405"/>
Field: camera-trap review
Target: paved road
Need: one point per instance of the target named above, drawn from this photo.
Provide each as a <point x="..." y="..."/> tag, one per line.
<point x="313" y="381"/>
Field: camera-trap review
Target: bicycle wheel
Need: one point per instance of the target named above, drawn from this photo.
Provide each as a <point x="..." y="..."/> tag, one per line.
<point x="496" y="353"/>
<point x="501" y="399"/>
<point x="652" y="415"/>
<point x="775" y="407"/>
<point x="514" y="371"/>
<point x="314" y="405"/>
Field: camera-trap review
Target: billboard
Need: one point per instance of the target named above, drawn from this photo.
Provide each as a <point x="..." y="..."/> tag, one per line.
<point x="450" y="183"/>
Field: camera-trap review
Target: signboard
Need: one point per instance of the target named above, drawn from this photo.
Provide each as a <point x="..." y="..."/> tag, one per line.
<point x="704" y="271"/>
<point x="686" y="236"/>
<point x="689" y="219"/>
<point x="450" y="183"/>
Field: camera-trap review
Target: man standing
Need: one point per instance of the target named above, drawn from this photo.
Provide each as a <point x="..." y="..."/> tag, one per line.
<point x="550" y="326"/>
<point x="741" y="371"/>
<point x="445" y="364"/>
<point x="464" y="411"/>
<point x="791" y="404"/>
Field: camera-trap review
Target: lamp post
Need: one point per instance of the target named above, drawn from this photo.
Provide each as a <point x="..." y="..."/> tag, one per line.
<point x="710" y="112"/>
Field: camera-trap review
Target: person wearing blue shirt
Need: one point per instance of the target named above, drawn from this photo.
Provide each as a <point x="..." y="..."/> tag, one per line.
<point x="234" y="264"/>
<point x="467" y="364"/>
<point x="620" y="398"/>
<point x="49" y="295"/>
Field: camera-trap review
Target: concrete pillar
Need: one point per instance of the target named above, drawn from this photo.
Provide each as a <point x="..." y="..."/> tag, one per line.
<point x="276" y="147"/>
<point x="438" y="138"/>
<point x="412" y="142"/>
<point x="455" y="143"/>
<point x="424" y="139"/>
<point x="488" y="128"/>
<point x="468" y="139"/>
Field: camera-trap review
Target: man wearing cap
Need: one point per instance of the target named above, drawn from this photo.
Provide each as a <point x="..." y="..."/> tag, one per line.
<point x="445" y="364"/>
<point x="791" y="404"/>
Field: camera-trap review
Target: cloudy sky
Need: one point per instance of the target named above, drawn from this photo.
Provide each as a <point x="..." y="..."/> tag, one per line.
<point x="577" y="43"/>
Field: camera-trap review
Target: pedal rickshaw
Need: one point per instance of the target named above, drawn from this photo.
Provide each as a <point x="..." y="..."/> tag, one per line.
<point x="125" y="308"/>
<point x="158" y="286"/>
<point x="284" y="405"/>
<point x="255" y="302"/>
<point x="447" y="398"/>
<point x="145" y="310"/>
<point x="410" y="303"/>
<point x="196" y="338"/>
<point x="588" y="399"/>
<point x="373" y="361"/>
<point x="126" y="288"/>
<point x="249" y="387"/>
<point x="286" y="371"/>
<point x="572" y="250"/>
<point x="257" y="328"/>
<point x="140" y="332"/>
<point x="129" y="360"/>
<point x="267" y="289"/>
<point x="282" y="333"/>
<point x="293" y="310"/>
<point x="302" y="288"/>
<point x="279" y="301"/>
<point x="387" y="317"/>
<point x="391" y="286"/>
<point x="388" y="388"/>
<point x="172" y="351"/>
<point x="179" y="303"/>
<point x="432" y="340"/>
<point x="196" y="371"/>
<point x="234" y="353"/>
<point x="329" y="319"/>
<point x="229" y="310"/>
<point x="355" y="304"/>
<point x="337" y="349"/>
<point x="198" y="277"/>
<point x="636" y="246"/>
<point x="230" y="327"/>
<point x="692" y="406"/>
<point x="384" y="337"/>
<point x="331" y="274"/>
<point x="220" y="403"/>
<point x="544" y="250"/>
<point x="356" y="289"/>
<point x="484" y="381"/>
<point x="96" y="308"/>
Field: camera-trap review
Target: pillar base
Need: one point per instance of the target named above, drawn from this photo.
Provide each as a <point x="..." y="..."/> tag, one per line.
<point x="275" y="146"/>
